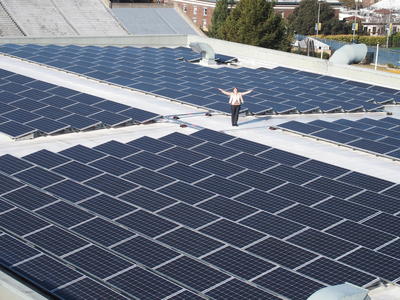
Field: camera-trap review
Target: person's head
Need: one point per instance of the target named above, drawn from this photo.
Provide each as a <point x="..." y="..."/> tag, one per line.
<point x="235" y="90"/>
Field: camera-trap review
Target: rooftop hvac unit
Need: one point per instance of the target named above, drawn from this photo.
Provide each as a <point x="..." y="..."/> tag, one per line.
<point x="344" y="291"/>
<point x="349" y="54"/>
<point x="207" y="53"/>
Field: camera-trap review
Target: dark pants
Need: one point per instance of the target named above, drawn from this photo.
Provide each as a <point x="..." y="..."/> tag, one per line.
<point x="235" y="114"/>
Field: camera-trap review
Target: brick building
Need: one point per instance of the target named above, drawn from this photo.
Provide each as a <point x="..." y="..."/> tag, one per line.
<point x="200" y="11"/>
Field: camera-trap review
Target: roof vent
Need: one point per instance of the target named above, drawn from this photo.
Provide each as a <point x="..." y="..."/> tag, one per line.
<point x="349" y="54"/>
<point x="207" y="53"/>
<point x="346" y="291"/>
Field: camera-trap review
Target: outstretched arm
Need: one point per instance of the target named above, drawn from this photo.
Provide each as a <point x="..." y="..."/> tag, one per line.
<point x="247" y="92"/>
<point x="224" y="92"/>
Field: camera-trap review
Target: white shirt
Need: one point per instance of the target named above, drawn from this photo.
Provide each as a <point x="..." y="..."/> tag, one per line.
<point x="235" y="99"/>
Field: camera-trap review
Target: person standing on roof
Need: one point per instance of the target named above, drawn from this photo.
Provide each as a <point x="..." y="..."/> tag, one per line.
<point x="235" y="100"/>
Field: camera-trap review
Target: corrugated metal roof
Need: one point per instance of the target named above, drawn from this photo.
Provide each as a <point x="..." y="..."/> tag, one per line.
<point x="142" y="21"/>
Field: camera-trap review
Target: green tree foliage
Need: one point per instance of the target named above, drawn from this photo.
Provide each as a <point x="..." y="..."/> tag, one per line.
<point x="221" y="13"/>
<point x="254" y="22"/>
<point x="305" y="17"/>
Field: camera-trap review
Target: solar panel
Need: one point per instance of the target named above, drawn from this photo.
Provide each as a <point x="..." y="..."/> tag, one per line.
<point x="300" y="127"/>
<point x="322" y="243"/>
<point x="385" y="222"/>
<point x="346" y="209"/>
<point x="374" y="263"/>
<point x="78" y="122"/>
<point x="227" y="208"/>
<point x="190" y="242"/>
<point x="39" y="177"/>
<point x="321" y="168"/>
<point x="46" y="159"/>
<point x="333" y="273"/>
<point x="148" y="178"/>
<point x="366" y="181"/>
<point x="139" y="115"/>
<point x="235" y="289"/>
<point x="7" y="184"/>
<point x="47" y="125"/>
<point x="145" y="251"/>
<point x="46" y="272"/>
<point x="57" y="101"/>
<point x="82" y="154"/>
<point x="182" y="140"/>
<point x="147" y="223"/>
<point x="97" y="261"/>
<point x="56" y="240"/>
<point x="361" y="234"/>
<point x="377" y="201"/>
<point x="87" y="289"/>
<point x="114" y="165"/>
<point x="10" y="164"/>
<point x="20" y="116"/>
<point x="77" y="171"/>
<point x="251" y="162"/>
<point x="14" y="251"/>
<point x="332" y="187"/>
<point x="335" y="136"/>
<point x="222" y="186"/>
<point x="29" y="198"/>
<point x="20" y="222"/>
<point x="183" y="155"/>
<point x="103" y="232"/>
<point x="232" y="233"/>
<point x="212" y="136"/>
<point x="16" y="130"/>
<point x="283" y="157"/>
<point x="256" y="180"/>
<point x="147" y="199"/>
<point x="116" y="149"/>
<point x="246" y="146"/>
<point x="373" y="146"/>
<point x="144" y="284"/>
<point x="299" y="194"/>
<point x="184" y="172"/>
<point x="182" y="268"/>
<point x="111" y="185"/>
<point x="215" y="150"/>
<point x="218" y="167"/>
<point x="238" y="262"/>
<point x="290" y="174"/>
<point x="150" y="144"/>
<point x="188" y="215"/>
<point x="110" y="119"/>
<point x="289" y="284"/>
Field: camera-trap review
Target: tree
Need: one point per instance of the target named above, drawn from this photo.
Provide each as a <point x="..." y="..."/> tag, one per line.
<point x="305" y="17"/>
<point x="221" y="13"/>
<point x="254" y="22"/>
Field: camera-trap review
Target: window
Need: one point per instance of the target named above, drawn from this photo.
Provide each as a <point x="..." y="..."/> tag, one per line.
<point x="205" y="12"/>
<point x="195" y="10"/>
<point x="185" y="9"/>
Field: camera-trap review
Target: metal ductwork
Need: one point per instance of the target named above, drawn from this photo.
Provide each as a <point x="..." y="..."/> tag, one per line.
<point x="207" y="53"/>
<point x="346" y="291"/>
<point x="349" y="54"/>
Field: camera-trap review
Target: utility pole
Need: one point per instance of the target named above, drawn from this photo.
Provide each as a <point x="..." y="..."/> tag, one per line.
<point x="319" y="12"/>
<point x="389" y="29"/>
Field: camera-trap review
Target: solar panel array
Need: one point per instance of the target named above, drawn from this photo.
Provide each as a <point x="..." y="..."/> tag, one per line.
<point x="160" y="72"/>
<point x="380" y="137"/>
<point x="192" y="216"/>
<point x="30" y="107"/>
